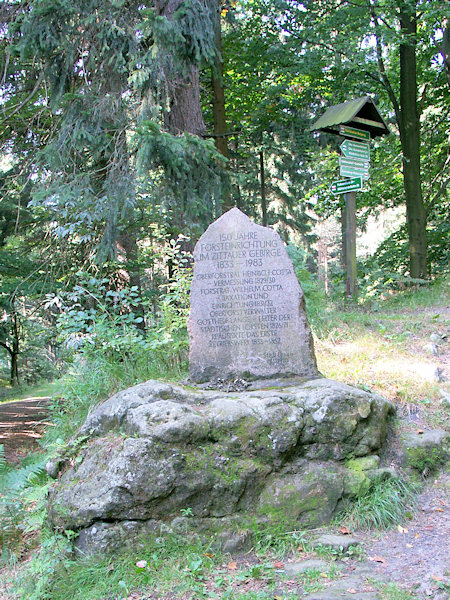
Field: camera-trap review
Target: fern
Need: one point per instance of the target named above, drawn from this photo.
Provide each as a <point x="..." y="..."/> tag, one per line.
<point x="2" y="458"/>
<point x="16" y="480"/>
<point x="22" y="498"/>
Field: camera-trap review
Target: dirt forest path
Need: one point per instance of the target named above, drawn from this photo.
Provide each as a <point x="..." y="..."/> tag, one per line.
<point x="21" y="425"/>
<point x="416" y="553"/>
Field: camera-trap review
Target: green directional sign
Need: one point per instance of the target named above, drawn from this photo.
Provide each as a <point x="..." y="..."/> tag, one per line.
<point x="358" y="134"/>
<point x="346" y="185"/>
<point x="352" y="167"/>
<point x="359" y="150"/>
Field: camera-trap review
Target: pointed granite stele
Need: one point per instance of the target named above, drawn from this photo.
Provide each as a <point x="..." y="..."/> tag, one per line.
<point x="247" y="316"/>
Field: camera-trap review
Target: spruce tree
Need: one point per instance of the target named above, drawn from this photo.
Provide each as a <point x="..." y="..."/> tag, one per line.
<point x="120" y="81"/>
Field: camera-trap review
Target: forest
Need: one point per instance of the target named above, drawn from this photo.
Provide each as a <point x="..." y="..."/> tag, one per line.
<point x="128" y="127"/>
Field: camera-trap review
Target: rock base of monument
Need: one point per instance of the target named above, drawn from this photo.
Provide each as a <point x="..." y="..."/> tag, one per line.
<point x="158" y="452"/>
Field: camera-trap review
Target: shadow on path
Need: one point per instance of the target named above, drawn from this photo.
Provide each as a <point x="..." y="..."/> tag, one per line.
<point x="21" y="425"/>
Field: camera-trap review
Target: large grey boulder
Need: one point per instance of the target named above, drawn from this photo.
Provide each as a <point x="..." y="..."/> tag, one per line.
<point x="158" y="450"/>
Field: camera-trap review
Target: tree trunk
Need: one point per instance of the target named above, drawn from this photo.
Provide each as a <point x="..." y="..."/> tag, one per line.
<point x="127" y="242"/>
<point x="219" y="113"/>
<point x="13" y="350"/>
<point x="263" y="189"/>
<point x="410" y="140"/>
<point x="185" y="113"/>
<point x="446" y="48"/>
<point x="14" y="375"/>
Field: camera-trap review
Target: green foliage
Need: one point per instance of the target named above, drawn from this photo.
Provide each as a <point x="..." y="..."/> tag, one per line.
<point x="186" y="39"/>
<point x="391" y="258"/>
<point x="276" y="538"/>
<point x="92" y="299"/>
<point x="426" y="461"/>
<point x="383" y="505"/>
<point x="392" y="591"/>
<point x="53" y="557"/>
<point x="193" y="168"/>
<point x="114" y="69"/>
<point x="107" y="351"/>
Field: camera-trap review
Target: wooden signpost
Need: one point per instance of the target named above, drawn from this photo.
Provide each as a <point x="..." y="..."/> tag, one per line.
<point x="357" y="121"/>
<point x="354" y="163"/>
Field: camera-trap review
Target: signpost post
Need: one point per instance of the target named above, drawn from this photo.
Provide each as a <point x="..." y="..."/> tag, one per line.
<point x="350" y="243"/>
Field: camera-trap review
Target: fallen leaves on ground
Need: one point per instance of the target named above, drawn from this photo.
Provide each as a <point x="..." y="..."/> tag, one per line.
<point x="376" y="558"/>
<point x="141" y="564"/>
<point x="344" y="530"/>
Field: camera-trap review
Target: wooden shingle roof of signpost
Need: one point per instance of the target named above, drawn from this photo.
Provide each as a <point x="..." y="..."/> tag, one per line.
<point x="361" y="113"/>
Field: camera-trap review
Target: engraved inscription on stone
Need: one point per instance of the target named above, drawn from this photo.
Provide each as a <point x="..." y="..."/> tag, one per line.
<point x="247" y="314"/>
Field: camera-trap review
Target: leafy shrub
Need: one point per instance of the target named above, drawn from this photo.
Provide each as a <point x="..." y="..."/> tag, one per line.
<point x="392" y="256"/>
<point x="107" y="349"/>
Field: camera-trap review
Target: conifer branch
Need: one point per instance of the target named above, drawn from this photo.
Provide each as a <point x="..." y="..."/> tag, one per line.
<point x="5" y="70"/>
<point x="27" y="99"/>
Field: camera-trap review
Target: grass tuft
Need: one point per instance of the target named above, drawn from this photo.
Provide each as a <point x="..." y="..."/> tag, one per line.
<point x="384" y="504"/>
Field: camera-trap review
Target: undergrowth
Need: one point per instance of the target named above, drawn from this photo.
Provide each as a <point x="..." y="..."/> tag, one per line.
<point x="23" y="492"/>
<point x="391" y="591"/>
<point x="164" y="564"/>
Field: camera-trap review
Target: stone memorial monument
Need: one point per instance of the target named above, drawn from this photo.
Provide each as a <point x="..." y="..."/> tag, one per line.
<point x="247" y="308"/>
<point x="268" y="451"/>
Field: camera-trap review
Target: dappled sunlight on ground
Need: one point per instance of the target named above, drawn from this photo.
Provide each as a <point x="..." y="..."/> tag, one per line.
<point x="21" y="425"/>
<point x="394" y="358"/>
